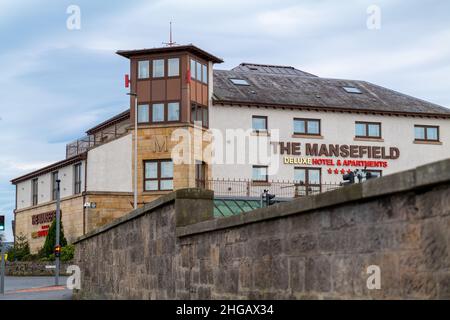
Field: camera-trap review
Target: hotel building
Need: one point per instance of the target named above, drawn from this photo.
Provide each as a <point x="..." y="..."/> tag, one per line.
<point x="317" y="128"/>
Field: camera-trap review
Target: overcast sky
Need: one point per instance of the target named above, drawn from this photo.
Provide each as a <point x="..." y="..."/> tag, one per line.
<point x="55" y="83"/>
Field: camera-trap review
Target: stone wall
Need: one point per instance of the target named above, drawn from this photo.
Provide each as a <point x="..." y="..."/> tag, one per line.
<point x="33" y="268"/>
<point x="311" y="248"/>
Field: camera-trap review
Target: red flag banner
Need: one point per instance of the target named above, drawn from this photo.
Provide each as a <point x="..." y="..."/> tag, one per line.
<point x="188" y="76"/>
<point x="127" y="81"/>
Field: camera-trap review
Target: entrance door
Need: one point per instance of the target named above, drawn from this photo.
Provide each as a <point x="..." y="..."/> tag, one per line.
<point x="308" y="181"/>
<point x="200" y="174"/>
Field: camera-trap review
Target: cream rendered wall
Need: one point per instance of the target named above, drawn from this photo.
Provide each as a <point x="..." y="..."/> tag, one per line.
<point x="110" y="166"/>
<point x="336" y="128"/>
<point x="23" y="194"/>
<point x="65" y="174"/>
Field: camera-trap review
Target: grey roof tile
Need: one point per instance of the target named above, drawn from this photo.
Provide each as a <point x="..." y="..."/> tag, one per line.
<point x="287" y="86"/>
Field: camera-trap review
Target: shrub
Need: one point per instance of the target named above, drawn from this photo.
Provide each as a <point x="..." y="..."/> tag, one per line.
<point x="67" y="252"/>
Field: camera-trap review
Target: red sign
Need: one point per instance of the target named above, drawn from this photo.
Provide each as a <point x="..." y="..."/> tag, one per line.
<point x="127" y="81"/>
<point x="188" y="76"/>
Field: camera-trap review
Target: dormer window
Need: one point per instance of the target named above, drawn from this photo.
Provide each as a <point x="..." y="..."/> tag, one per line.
<point x="239" y="82"/>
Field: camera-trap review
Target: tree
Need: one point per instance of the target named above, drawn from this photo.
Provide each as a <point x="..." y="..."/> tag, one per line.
<point x="50" y="240"/>
<point x="21" y="249"/>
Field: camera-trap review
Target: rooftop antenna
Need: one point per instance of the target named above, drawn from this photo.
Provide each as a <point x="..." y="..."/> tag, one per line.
<point x="170" y="43"/>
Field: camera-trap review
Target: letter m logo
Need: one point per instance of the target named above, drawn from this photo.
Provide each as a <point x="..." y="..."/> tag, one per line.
<point x="160" y="144"/>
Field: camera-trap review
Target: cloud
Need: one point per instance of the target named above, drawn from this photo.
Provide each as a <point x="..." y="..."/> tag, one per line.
<point x="57" y="83"/>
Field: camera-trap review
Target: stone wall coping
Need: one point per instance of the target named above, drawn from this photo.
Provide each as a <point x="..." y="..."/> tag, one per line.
<point x="418" y="178"/>
<point x="189" y="193"/>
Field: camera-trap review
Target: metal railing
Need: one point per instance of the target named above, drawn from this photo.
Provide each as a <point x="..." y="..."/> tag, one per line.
<point x="252" y="189"/>
<point x="84" y="144"/>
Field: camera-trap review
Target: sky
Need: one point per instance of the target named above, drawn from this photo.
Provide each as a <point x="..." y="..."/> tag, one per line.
<point x="56" y="82"/>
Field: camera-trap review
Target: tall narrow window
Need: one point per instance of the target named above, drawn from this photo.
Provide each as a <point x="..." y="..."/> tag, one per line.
<point x="158" y="175"/>
<point x="143" y="69"/>
<point x="174" y="67"/>
<point x="200" y="174"/>
<point x="259" y="174"/>
<point x="34" y="191"/>
<point x="199" y="71"/>
<point x="192" y="69"/>
<point x="158" y="112"/>
<point x="54" y="185"/>
<point x="158" y="68"/>
<point x="199" y="113"/>
<point x="77" y="178"/>
<point x="143" y="113"/>
<point x="205" y="74"/>
<point x="205" y="122"/>
<point x="173" y="111"/>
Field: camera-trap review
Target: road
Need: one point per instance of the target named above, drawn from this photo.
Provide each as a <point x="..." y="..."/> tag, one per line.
<point x="35" y="288"/>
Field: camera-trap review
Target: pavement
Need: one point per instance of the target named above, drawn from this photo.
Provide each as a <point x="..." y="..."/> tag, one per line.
<point x="35" y="288"/>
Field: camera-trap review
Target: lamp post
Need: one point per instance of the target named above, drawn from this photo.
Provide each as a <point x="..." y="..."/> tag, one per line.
<point x="2" y="266"/>
<point x="58" y="227"/>
<point x="135" y="145"/>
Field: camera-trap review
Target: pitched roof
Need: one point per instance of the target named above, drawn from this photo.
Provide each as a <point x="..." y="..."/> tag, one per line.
<point x="289" y="87"/>
<point x="50" y="168"/>
<point x="189" y="48"/>
<point x="270" y="69"/>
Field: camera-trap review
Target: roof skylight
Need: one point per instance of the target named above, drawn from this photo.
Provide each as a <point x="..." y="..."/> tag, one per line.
<point x="352" y="90"/>
<point x="239" y="82"/>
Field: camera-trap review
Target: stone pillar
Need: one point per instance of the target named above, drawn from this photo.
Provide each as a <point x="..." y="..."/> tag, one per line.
<point x="193" y="206"/>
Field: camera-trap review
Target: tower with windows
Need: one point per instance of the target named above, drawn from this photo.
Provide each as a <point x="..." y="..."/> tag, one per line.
<point x="173" y="88"/>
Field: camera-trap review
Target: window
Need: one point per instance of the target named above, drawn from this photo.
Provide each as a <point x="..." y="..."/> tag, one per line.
<point x="259" y="174"/>
<point x="205" y="74"/>
<point x="308" y="180"/>
<point x="173" y="113"/>
<point x="158" y="112"/>
<point x="307" y="126"/>
<point x="143" y="70"/>
<point x="158" y="175"/>
<point x="54" y="185"/>
<point x="368" y="130"/>
<point x="143" y="113"/>
<point x="199" y="113"/>
<point x="426" y="133"/>
<point x="352" y="90"/>
<point x="199" y="71"/>
<point x="77" y="178"/>
<point x="192" y="69"/>
<point x="240" y="82"/>
<point x="158" y="68"/>
<point x="174" y="67"/>
<point x="259" y="123"/>
<point x="34" y="192"/>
